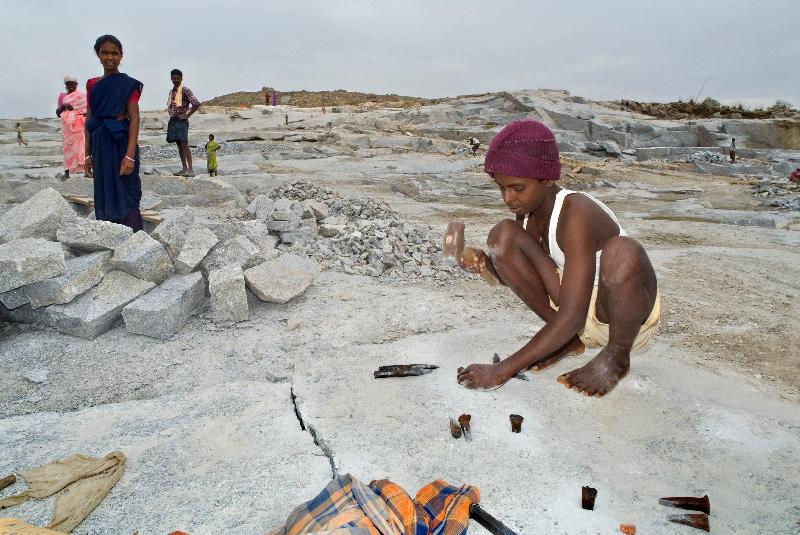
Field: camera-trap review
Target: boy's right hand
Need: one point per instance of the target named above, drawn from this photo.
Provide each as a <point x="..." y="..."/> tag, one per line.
<point x="473" y="260"/>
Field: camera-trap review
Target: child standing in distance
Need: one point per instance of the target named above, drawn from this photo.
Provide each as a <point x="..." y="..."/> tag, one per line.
<point x="211" y="155"/>
<point x="567" y="257"/>
<point x="20" y="141"/>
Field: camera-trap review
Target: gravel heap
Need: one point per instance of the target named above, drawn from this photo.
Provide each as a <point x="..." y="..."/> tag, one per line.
<point x="784" y="195"/>
<point x="706" y="156"/>
<point x="370" y="238"/>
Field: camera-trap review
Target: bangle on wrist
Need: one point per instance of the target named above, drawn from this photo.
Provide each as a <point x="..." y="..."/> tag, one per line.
<point x="129" y="158"/>
<point x="88" y="158"/>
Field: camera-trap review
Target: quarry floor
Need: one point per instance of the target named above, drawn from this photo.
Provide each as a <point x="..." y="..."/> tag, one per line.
<point x="227" y="429"/>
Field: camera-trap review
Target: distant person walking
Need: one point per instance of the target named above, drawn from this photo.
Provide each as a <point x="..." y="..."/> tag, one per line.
<point x="732" y="150"/>
<point x="474" y="145"/>
<point x="211" y="155"/>
<point x="71" y="109"/>
<point x="112" y="126"/>
<point x="181" y="104"/>
<point x="285" y="118"/>
<point x="20" y="141"/>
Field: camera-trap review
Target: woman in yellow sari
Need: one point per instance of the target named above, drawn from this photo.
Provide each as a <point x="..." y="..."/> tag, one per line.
<point x="72" y="112"/>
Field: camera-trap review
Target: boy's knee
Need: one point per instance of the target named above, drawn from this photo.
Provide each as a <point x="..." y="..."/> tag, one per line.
<point x="621" y="260"/>
<point x="501" y="238"/>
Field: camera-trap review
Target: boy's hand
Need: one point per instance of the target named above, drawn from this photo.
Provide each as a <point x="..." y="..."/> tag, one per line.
<point x="87" y="168"/>
<point x="482" y="376"/>
<point x="475" y="262"/>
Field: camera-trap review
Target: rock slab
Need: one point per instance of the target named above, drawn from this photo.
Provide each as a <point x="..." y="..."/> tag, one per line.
<point x="92" y="235"/>
<point x="238" y="251"/>
<point x="97" y="310"/>
<point x="275" y="282"/>
<point x="228" y="295"/>
<point x="173" y="230"/>
<point x="83" y="272"/>
<point x="37" y="217"/>
<point x="199" y="241"/>
<point x="143" y="257"/>
<point x="14" y="298"/>
<point x="29" y="260"/>
<point x="165" y="310"/>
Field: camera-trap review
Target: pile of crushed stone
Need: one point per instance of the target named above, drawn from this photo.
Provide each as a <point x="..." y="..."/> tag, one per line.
<point x="706" y="156"/>
<point x="365" y="236"/>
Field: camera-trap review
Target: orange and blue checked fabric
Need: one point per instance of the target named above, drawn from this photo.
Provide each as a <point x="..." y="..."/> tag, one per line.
<point x="348" y="507"/>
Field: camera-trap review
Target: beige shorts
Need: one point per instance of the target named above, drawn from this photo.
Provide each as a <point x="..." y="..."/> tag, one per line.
<point x="595" y="332"/>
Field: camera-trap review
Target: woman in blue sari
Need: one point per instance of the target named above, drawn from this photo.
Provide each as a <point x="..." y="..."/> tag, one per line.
<point x="112" y="126"/>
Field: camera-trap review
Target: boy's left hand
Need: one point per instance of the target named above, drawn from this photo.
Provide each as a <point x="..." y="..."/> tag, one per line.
<point x="482" y="376"/>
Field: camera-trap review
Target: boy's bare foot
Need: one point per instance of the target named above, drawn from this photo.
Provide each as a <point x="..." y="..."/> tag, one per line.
<point x="600" y="375"/>
<point x="573" y="347"/>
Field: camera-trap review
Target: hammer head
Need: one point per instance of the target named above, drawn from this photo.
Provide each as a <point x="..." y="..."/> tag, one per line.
<point x="453" y="245"/>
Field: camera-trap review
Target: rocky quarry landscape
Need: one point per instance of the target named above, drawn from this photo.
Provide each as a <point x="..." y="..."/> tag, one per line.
<point x="228" y="349"/>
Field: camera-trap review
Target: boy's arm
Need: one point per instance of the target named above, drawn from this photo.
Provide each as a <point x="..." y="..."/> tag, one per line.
<point x="577" y="282"/>
<point x="577" y="241"/>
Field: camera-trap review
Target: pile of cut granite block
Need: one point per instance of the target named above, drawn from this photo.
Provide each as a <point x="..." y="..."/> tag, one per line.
<point x="82" y="276"/>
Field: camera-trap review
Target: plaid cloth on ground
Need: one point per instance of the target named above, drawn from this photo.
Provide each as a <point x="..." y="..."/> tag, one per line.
<point x="348" y="507"/>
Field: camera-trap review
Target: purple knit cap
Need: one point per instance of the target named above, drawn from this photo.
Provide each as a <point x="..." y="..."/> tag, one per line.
<point x="525" y="149"/>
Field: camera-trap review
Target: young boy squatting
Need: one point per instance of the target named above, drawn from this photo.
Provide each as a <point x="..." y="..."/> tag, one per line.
<point x="566" y="256"/>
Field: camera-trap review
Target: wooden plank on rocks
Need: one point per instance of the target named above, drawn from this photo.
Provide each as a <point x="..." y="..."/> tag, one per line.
<point x="147" y="215"/>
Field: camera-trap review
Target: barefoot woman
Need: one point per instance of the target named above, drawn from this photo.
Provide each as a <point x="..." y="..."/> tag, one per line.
<point x="567" y="257"/>
<point x="112" y="126"/>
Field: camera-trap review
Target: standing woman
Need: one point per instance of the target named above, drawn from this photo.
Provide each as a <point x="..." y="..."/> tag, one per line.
<point x="72" y="112"/>
<point x="112" y="126"/>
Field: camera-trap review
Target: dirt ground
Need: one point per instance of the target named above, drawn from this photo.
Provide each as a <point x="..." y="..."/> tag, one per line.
<point x="227" y="429"/>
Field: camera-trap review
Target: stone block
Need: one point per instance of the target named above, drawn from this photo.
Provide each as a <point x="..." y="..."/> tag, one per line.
<point x="228" y="295"/>
<point x="37" y="217"/>
<point x="300" y="263"/>
<point x="276" y="282"/>
<point x="163" y="311"/>
<point x="300" y="235"/>
<point x="283" y="226"/>
<point x="237" y="251"/>
<point x="330" y="231"/>
<point x="199" y="241"/>
<point x="14" y="298"/>
<point x="83" y="272"/>
<point x="143" y="257"/>
<point x="173" y="230"/>
<point x="284" y="215"/>
<point x="257" y="232"/>
<point x="262" y="206"/>
<point x="29" y="260"/>
<point x="319" y="209"/>
<point x="310" y="223"/>
<point x="25" y="314"/>
<point x="91" y="235"/>
<point x="97" y="310"/>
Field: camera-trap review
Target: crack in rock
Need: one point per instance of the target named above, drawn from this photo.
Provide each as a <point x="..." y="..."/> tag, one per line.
<point x="323" y="446"/>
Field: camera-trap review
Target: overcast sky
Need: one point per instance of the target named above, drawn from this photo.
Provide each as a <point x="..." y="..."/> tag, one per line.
<point x="642" y="50"/>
